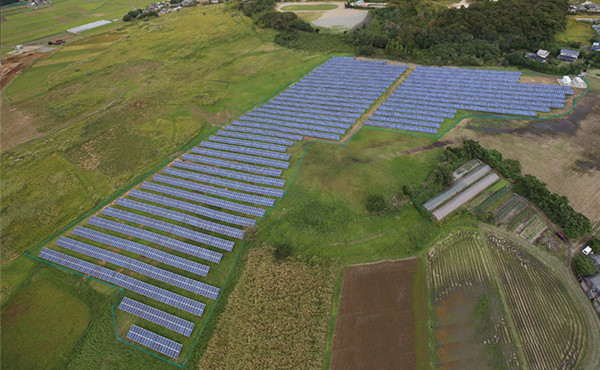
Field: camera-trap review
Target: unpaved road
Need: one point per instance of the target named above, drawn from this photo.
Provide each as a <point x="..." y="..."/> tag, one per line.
<point x="339" y="17"/>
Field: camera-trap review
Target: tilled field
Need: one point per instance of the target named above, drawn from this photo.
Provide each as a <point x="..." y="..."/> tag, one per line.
<point x="375" y="327"/>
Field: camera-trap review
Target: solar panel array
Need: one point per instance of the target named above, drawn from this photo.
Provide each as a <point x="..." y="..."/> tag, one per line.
<point x="205" y="199"/>
<point x="124" y="281"/>
<point x="431" y="94"/>
<point x="164" y="319"/>
<point x="154" y="341"/>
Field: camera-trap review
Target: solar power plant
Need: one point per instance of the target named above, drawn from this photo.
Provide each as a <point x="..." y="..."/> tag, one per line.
<point x="158" y="239"/>
<point x="208" y="212"/>
<point x="309" y="133"/>
<point x="267" y="139"/>
<point x="314" y="112"/>
<point x="299" y="103"/>
<point x="246" y="143"/>
<point x="432" y="94"/>
<point x="142" y="250"/>
<point x="181" y="217"/>
<point x="162" y="318"/>
<point x="140" y="267"/>
<point x="232" y="165"/>
<point x="257" y="189"/>
<point x="154" y="341"/>
<point x="241" y="157"/>
<point x="170" y="228"/>
<point x="232" y="174"/>
<point x="301" y="118"/>
<point x="224" y="204"/>
<point x="255" y="199"/>
<point x="124" y="281"/>
<point x="308" y="125"/>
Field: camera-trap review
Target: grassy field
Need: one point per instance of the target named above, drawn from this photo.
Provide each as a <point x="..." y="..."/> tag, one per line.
<point x="576" y="31"/>
<point x="271" y="301"/>
<point x="25" y="25"/>
<point x="310" y="7"/>
<point x="50" y="182"/>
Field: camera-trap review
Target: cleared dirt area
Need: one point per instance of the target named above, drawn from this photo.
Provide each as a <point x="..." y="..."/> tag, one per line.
<point x="15" y="64"/>
<point x="562" y="152"/>
<point x="375" y="327"/>
<point x="340" y="17"/>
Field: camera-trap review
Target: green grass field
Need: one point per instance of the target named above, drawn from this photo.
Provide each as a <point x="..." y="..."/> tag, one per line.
<point x="576" y="31"/>
<point x="25" y="25"/>
<point x="309" y="7"/>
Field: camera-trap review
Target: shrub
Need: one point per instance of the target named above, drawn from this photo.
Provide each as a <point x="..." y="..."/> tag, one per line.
<point x="594" y="244"/>
<point x="282" y="251"/>
<point x="584" y="266"/>
<point x="375" y="203"/>
<point x="127" y="18"/>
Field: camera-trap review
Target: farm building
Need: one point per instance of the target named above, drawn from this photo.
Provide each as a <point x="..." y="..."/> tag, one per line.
<point x="568" y="55"/>
<point x="594" y="282"/>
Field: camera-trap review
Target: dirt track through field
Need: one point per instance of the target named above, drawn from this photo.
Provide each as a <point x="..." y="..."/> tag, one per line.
<point x="375" y="326"/>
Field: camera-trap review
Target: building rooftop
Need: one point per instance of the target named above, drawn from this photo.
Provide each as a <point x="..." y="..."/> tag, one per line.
<point x="569" y="52"/>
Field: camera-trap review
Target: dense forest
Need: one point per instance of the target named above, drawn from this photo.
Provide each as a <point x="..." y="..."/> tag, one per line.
<point x="427" y="32"/>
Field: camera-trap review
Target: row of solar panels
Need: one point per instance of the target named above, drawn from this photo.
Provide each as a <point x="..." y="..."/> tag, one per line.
<point x="292" y="130"/>
<point x="232" y="165"/>
<point x="316" y="82"/>
<point x="142" y="268"/>
<point x="397" y="111"/>
<point x="257" y="179"/>
<point x="474" y="100"/>
<point x="392" y="105"/>
<point x="152" y="340"/>
<point x="420" y="117"/>
<point x="483" y="95"/>
<point x="485" y="72"/>
<point x="421" y="129"/>
<point x="404" y="121"/>
<point x="286" y="120"/>
<point x="512" y="91"/>
<point x="496" y="85"/>
<point x="124" y="281"/>
<point x="345" y="105"/>
<point x="316" y="113"/>
<point x="459" y="103"/>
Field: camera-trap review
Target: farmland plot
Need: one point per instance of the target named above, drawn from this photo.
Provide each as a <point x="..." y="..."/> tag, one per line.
<point x="469" y="322"/>
<point x="548" y="322"/>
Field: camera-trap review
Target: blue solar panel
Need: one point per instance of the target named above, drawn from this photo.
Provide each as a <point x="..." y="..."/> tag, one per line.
<point x="216" y="202"/>
<point x="162" y="318"/>
<point x="170" y="228"/>
<point x="124" y="281"/>
<point x="227" y="173"/>
<point x="304" y="126"/>
<point x="266" y="139"/>
<point x="181" y="217"/>
<point x="142" y="250"/>
<point x="426" y="130"/>
<point x="301" y="103"/>
<point x="154" y="341"/>
<point x="242" y="197"/>
<point x="246" y="143"/>
<point x="241" y="157"/>
<point x="233" y="165"/>
<point x="266" y="132"/>
<point x="186" y="206"/>
<point x="154" y="272"/>
<point x="309" y="133"/>
<point x="293" y="117"/>
<point x="225" y="183"/>
<point x="241" y="149"/>
<point x="308" y="112"/>
<point x="158" y="239"/>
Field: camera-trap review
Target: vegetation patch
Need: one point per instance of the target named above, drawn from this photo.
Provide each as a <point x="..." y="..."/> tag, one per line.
<point x="277" y="315"/>
<point x="310" y="7"/>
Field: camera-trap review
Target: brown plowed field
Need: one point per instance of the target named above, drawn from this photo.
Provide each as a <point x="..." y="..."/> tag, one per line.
<point x="375" y="327"/>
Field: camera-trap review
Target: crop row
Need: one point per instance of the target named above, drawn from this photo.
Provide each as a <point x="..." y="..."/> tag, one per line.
<point x="548" y="323"/>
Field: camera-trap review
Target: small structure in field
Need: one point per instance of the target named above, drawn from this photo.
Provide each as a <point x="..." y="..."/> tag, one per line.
<point x="568" y="55"/>
<point x="594" y="282"/>
<point x="596" y="259"/>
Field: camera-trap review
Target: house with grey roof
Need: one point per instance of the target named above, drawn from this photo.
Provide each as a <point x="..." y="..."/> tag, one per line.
<point x="594" y="282"/>
<point x="568" y="55"/>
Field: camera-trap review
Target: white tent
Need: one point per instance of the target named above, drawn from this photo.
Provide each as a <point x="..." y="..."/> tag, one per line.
<point x="566" y="80"/>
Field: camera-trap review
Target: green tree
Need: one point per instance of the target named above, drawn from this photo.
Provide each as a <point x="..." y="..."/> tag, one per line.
<point x="375" y="203"/>
<point x="584" y="266"/>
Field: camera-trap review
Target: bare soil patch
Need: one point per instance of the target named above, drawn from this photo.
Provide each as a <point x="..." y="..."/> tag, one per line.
<point x="16" y="129"/>
<point x="15" y="64"/>
<point x="375" y="326"/>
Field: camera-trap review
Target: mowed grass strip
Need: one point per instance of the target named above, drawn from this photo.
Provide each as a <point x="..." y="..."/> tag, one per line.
<point x="40" y="326"/>
<point x="277" y="315"/>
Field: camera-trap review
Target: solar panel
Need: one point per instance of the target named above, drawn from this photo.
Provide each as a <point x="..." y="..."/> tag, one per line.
<point x="124" y="281"/>
<point x="154" y="341"/>
<point x="153" y="272"/>
<point x="228" y="173"/>
<point x="181" y="217"/>
<point x="241" y="149"/>
<point x="170" y="228"/>
<point x="303" y="126"/>
<point x="266" y="132"/>
<point x="241" y="157"/>
<point x="216" y="202"/>
<point x="233" y="165"/>
<point x="267" y="139"/>
<point x="255" y="199"/>
<point x="208" y="212"/>
<point x="224" y="183"/>
<point x="142" y="250"/>
<point x="157" y="316"/>
<point x="260" y="126"/>
<point x="158" y="239"/>
<point x="246" y="143"/>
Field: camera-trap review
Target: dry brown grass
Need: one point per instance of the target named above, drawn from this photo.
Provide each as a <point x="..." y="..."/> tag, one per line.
<point x="566" y="157"/>
<point x="277" y="316"/>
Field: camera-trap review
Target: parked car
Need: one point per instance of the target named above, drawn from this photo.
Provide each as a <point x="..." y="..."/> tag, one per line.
<point x="56" y="42"/>
<point x="562" y="236"/>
